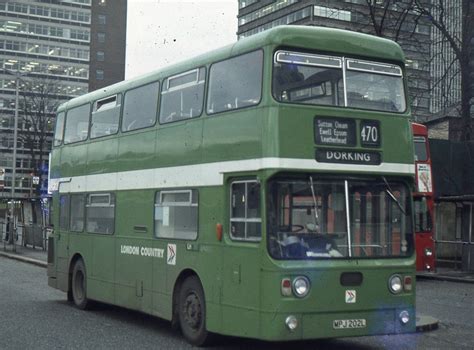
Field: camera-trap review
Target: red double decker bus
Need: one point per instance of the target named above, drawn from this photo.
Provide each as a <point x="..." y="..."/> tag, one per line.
<point x="423" y="201"/>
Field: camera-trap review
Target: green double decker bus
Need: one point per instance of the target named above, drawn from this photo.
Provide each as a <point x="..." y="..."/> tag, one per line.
<point x="262" y="190"/>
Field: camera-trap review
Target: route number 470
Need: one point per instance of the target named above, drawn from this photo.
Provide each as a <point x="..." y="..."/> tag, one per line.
<point x="369" y="134"/>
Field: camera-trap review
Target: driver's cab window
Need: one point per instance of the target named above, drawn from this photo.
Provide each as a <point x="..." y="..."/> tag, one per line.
<point x="245" y="217"/>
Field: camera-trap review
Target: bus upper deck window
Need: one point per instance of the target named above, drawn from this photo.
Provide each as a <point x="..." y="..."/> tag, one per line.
<point x="140" y="107"/>
<point x="182" y="96"/>
<point x="59" y="130"/>
<point x="375" y="86"/>
<point x="235" y="83"/>
<point x="105" y="116"/>
<point x="308" y="79"/>
<point x="77" y="124"/>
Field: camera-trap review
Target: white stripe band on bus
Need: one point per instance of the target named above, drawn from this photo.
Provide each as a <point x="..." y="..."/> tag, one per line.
<point x="209" y="174"/>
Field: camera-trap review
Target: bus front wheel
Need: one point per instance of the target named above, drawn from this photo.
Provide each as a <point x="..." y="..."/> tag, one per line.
<point x="78" y="285"/>
<point x="192" y="312"/>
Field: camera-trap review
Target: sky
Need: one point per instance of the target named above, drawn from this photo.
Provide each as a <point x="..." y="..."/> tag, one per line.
<point x="162" y="32"/>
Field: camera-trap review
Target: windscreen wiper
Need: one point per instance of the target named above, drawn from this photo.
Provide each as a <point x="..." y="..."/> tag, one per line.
<point x="389" y="191"/>
<point x="316" y="217"/>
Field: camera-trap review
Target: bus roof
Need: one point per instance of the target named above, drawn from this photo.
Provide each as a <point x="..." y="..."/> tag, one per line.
<point x="328" y="40"/>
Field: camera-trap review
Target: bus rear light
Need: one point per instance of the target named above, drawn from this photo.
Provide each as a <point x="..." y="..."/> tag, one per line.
<point x="286" y="287"/>
<point x="407" y="286"/>
<point x="428" y="252"/>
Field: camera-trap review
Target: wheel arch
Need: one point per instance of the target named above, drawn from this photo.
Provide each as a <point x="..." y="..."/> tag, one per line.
<point x="72" y="262"/>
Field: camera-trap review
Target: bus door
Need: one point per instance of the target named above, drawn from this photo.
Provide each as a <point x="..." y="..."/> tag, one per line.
<point x="242" y="254"/>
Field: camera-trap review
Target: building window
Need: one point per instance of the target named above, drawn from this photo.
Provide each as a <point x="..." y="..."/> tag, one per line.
<point x="327" y="12"/>
<point x="100" y="56"/>
<point x="101" y="37"/>
<point x="99" y="74"/>
<point x="102" y="19"/>
<point x="176" y="214"/>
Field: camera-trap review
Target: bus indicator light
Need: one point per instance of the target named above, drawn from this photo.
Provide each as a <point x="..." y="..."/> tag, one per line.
<point x="407" y="283"/>
<point x="219" y="232"/>
<point x="286" y="287"/>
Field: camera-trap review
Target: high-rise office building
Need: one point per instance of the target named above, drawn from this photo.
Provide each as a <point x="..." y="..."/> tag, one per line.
<point x="107" y="46"/>
<point x="445" y="70"/>
<point x="411" y="32"/>
<point x="62" y="49"/>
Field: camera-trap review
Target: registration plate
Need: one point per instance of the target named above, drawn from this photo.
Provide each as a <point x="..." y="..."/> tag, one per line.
<point x="347" y="324"/>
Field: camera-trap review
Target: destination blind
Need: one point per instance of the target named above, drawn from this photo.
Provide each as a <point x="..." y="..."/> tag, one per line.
<point x="338" y="132"/>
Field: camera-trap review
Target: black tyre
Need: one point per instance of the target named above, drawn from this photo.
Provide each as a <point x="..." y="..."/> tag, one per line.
<point x="192" y="312"/>
<point x="79" y="285"/>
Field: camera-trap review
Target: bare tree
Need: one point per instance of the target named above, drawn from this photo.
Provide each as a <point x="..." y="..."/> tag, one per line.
<point x="438" y="15"/>
<point x="397" y="20"/>
<point x="39" y="100"/>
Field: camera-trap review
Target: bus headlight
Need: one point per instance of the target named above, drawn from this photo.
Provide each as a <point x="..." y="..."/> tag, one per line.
<point x="301" y="286"/>
<point x="428" y="252"/>
<point x="395" y="284"/>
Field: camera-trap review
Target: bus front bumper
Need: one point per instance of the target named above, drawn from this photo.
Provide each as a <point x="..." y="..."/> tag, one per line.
<point x="337" y="324"/>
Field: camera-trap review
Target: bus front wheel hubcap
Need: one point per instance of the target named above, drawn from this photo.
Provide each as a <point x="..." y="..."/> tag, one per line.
<point x="192" y="311"/>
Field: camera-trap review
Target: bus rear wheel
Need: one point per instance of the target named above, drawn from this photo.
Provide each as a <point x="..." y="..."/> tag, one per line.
<point x="78" y="285"/>
<point x="192" y="312"/>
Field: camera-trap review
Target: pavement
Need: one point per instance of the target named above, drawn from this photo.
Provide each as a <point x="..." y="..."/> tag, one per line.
<point x="31" y="255"/>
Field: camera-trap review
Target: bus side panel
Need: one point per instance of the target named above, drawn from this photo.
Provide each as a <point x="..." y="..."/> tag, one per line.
<point x="102" y="157"/>
<point x="241" y="289"/>
<point x="136" y="150"/>
<point x="101" y="267"/>
<point x="223" y="143"/>
<point x="203" y="256"/>
<point x="133" y="250"/>
<point x="179" y="143"/>
<point x="73" y="160"/>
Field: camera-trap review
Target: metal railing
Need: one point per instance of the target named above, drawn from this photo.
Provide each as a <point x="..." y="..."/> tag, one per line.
<point x="455" y="256"/>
